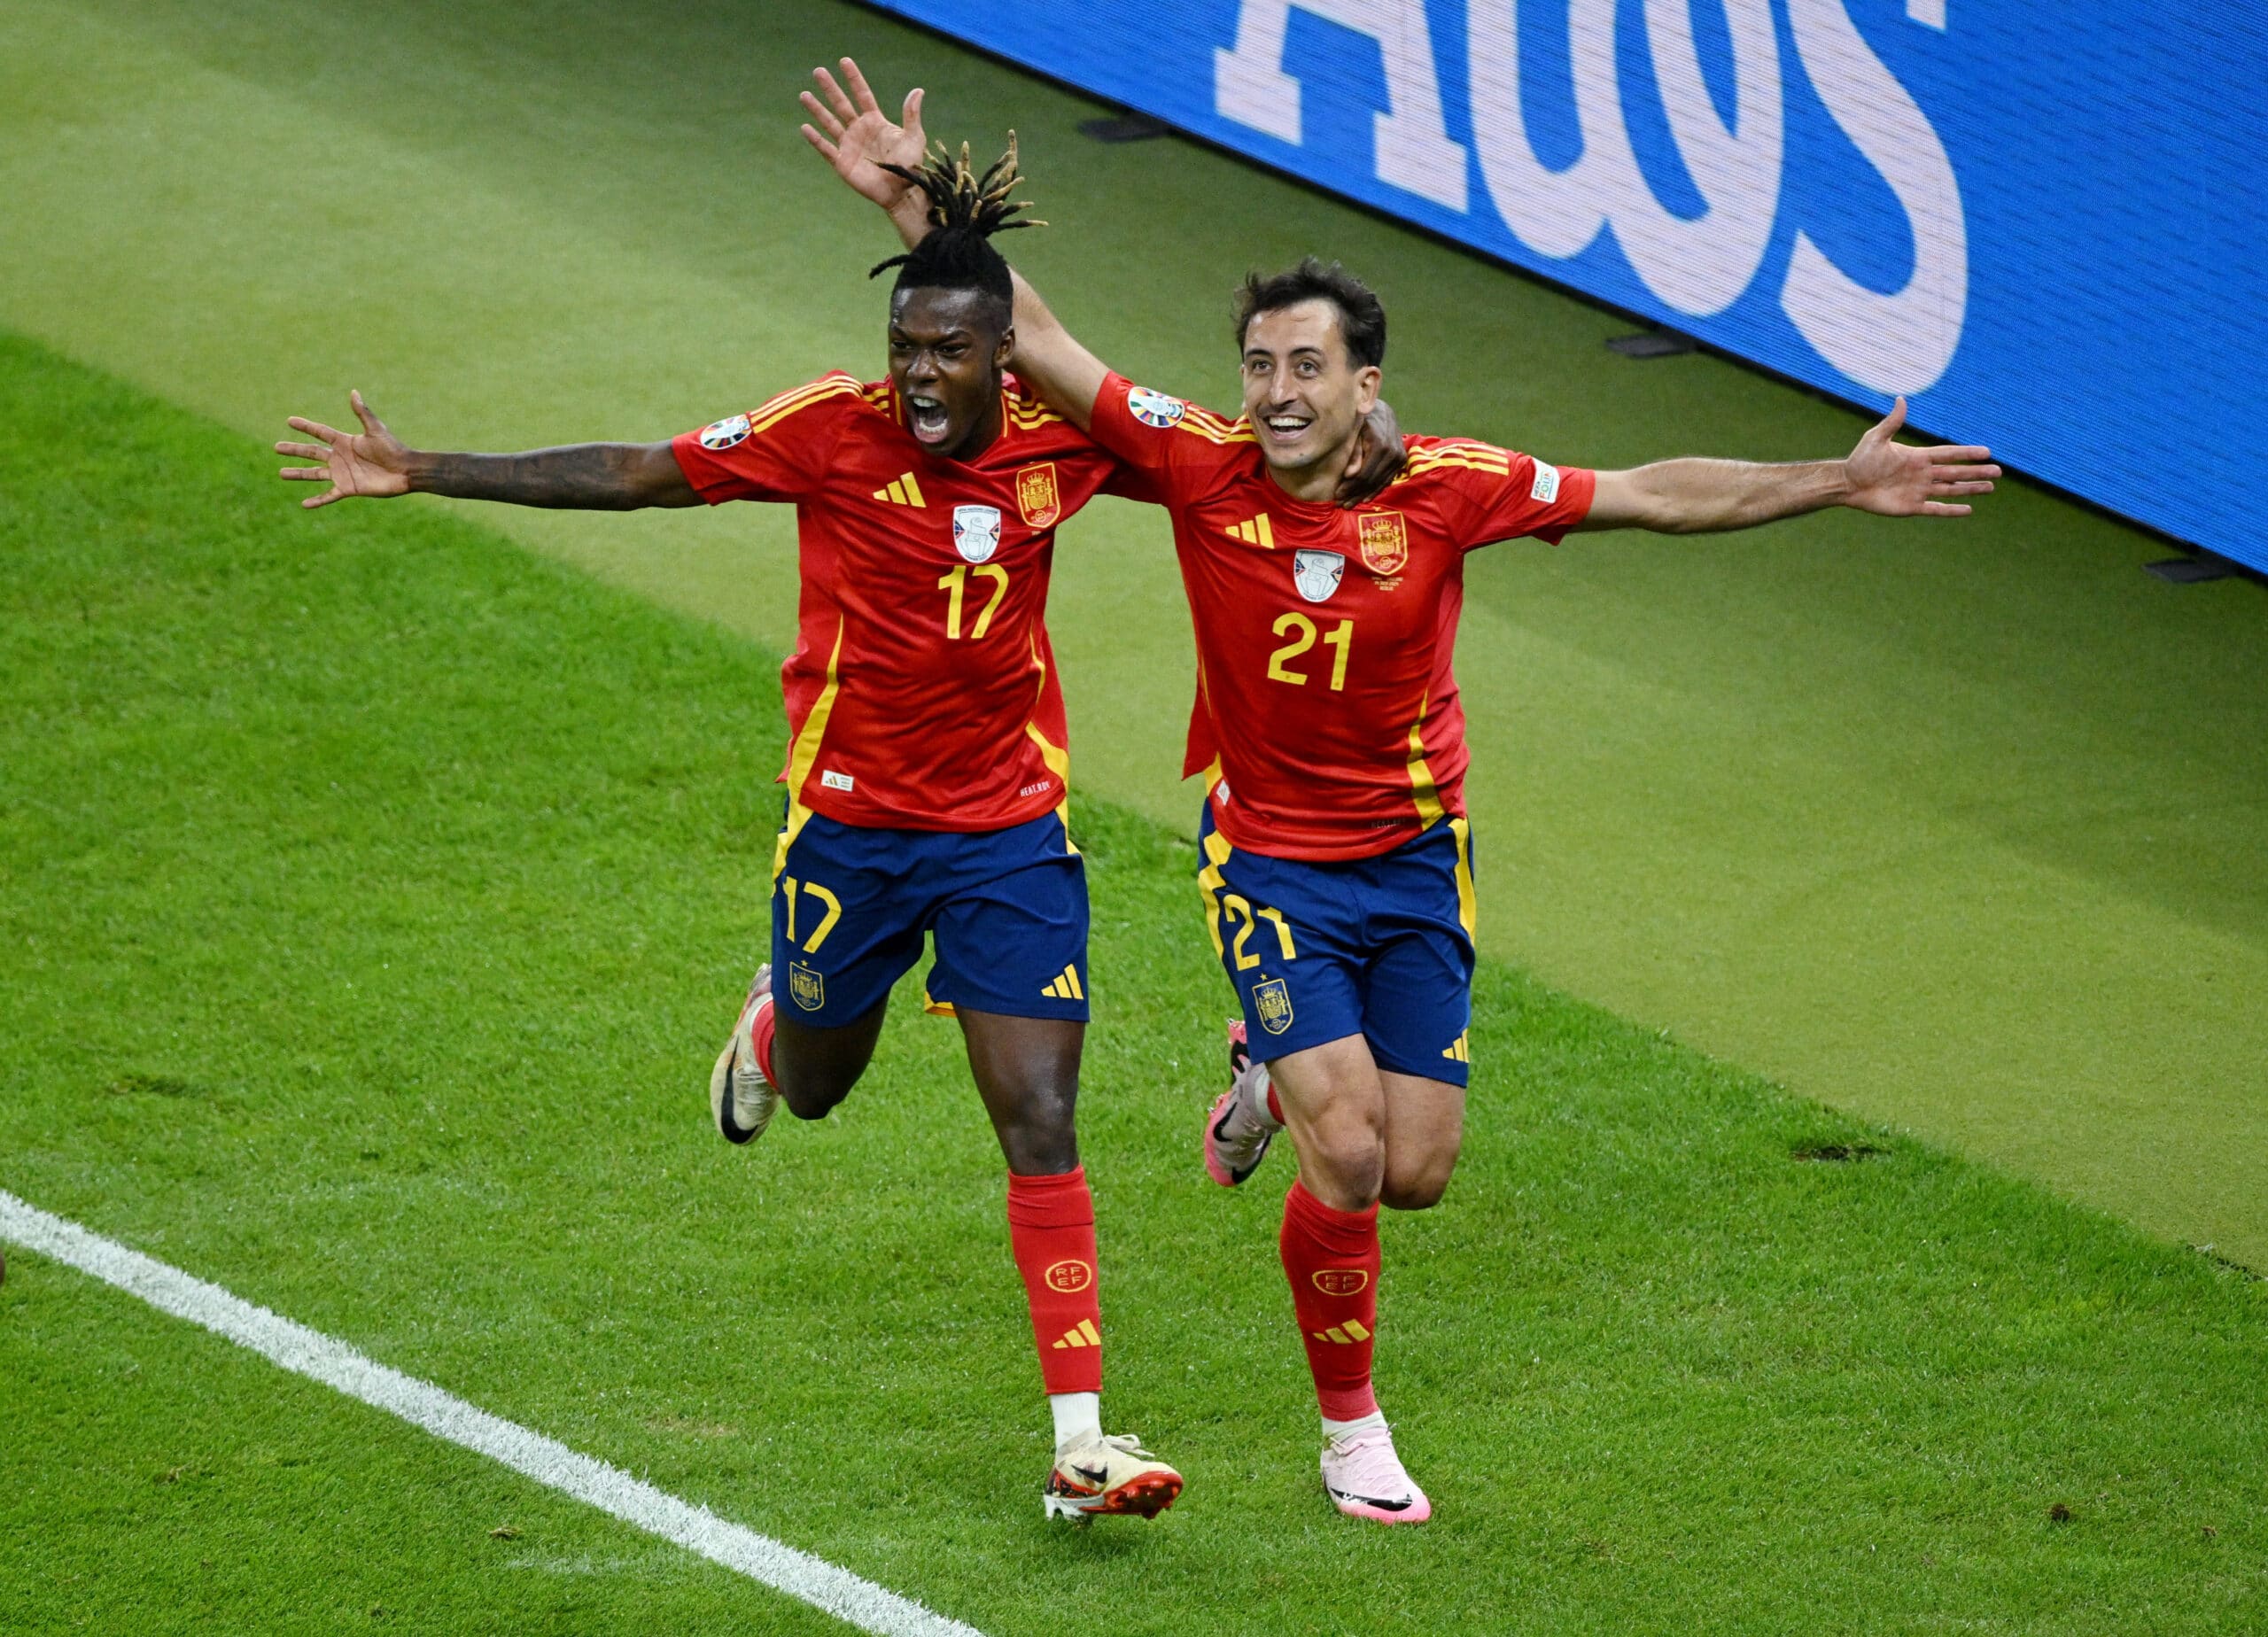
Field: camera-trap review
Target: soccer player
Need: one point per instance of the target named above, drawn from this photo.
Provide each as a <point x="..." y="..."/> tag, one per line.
<point x="1336" y="861"/>
<point x="926" y="768"/>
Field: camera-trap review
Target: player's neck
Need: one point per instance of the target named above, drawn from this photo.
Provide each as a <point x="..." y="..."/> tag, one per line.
<point x="1317" y="481"/>
<point x="981" y="436"/>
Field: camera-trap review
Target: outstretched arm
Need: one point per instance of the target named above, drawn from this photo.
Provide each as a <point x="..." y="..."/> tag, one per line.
<point x="1881" y="474"/>
<point x="375" y="464"/>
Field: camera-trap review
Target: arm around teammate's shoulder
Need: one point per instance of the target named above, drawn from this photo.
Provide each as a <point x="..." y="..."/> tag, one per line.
<point x="374" y="464"/>
<point x="1881" y="476"/>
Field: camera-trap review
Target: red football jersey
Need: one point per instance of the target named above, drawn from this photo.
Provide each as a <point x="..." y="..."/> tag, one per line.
<point x="1327" y="722"/>
<point x="921" y="693"/>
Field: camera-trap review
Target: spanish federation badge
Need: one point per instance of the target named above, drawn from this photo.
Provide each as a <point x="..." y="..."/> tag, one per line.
<point x="1035" y="495"/>
<point x="1386" y="544"/>
<point x="1273" y="1002"/>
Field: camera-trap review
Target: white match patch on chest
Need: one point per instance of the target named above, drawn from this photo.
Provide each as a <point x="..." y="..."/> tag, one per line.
<point x="1317" y="573"/>
<point x="977" y="532"/>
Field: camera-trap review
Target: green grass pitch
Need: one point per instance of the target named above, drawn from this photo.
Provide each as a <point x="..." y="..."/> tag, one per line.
<point x="373" y="895"/>
<point x="1957" y="828"/>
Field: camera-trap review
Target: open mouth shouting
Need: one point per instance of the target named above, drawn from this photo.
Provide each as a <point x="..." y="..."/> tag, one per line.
<point x="928" y="419"/>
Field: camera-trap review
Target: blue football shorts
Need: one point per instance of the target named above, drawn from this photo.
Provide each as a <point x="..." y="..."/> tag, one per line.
<point x="851" y="907"/>
<point x="1378" y="947"/>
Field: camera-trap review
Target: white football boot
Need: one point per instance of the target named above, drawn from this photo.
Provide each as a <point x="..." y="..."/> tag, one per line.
<point x="739" y="1097"/>
<point x="1099" y="1476"/>
<point x="1239" y="1128"/>
<point x="1365" y="1477"/>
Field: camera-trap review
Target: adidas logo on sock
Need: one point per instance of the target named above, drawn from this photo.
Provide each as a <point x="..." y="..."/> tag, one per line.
<point x="1349" y="1334"/>
<point x="1084" y="1334"/>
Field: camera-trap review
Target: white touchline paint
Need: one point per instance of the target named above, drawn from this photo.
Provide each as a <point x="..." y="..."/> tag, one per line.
<point x="320" y="1358"/>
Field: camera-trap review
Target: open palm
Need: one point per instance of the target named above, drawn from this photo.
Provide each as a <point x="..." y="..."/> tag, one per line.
<point x="373" y="465"/>
<point x="1899" y="480"/>
<point x="858" y="138"/>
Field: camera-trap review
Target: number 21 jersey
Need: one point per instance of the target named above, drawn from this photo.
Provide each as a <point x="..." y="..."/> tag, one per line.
<point x="1327" y="722"/>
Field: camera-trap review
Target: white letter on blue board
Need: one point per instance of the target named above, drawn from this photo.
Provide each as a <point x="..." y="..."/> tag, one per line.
<point x="1413" y="146"/>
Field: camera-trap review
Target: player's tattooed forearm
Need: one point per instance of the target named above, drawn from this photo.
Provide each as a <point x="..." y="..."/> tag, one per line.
<point x="579" y="476"/>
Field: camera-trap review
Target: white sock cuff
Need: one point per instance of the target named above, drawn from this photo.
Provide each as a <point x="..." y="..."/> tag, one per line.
<point x="1076" y="1416"/>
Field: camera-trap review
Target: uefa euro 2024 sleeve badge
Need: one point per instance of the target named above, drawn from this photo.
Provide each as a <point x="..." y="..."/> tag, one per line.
<point x="1317" y="573"/>
<point x="977" y="532"/>
<point x="721" y="435"/>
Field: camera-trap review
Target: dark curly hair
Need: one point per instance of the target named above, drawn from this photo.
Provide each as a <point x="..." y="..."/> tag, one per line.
<point x="1361" y="316"/>
<point x="966" y="209"/>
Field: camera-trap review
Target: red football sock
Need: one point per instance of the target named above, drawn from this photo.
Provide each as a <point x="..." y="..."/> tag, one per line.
<point x="1331" y="1259"/>
<point x="760" y="1033"/>
<point x="1052" y="1230"/>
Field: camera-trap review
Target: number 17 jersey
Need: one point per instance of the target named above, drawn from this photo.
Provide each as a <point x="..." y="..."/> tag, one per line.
<point x="921" y="693"/>
<point x="1327" y="721"/>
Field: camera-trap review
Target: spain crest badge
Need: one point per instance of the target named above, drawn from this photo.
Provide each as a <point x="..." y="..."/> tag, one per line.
<point x="1035" y="495"/>
<point x="1386" y="544"/>
<point x="1273" y="1002"/>
<point x="807" y="986"/>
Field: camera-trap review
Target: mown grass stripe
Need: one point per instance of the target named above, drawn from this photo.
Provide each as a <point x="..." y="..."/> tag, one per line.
<point x="304" y="1351"/>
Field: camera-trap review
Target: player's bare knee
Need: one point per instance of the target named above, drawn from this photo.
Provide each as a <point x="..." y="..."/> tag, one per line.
<point x="1420" y="1192"/>
<point x="1348" y="1166"/>
<point x="1040" y="1137"/>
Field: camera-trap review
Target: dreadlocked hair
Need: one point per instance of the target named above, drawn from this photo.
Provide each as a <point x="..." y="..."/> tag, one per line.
<point x="966" y="209"/>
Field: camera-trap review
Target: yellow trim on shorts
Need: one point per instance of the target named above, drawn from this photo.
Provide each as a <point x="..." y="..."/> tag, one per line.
<point x="1212" y="883"/>
<point x="1468" y="900"/>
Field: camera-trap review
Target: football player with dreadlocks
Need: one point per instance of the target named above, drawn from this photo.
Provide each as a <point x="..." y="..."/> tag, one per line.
<point x="1336" y="860"/>
<point x="927" y="769"/>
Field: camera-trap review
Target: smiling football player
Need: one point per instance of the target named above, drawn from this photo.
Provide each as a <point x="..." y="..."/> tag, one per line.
<point x="1335" y="858"/>
<point x="926" y="771"/>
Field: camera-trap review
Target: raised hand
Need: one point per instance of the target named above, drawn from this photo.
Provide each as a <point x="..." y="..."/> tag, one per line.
<point x="1899" y="480"/>
<point x="857" y="138"/>
<point x="373" y="465"/>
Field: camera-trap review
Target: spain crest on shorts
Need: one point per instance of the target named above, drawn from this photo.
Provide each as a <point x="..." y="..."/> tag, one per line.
<point x="808" y="988"/>
<point x="1035" y="495"/>
<point x="1273" y="1002"/>
<point x="1386" y="543"/>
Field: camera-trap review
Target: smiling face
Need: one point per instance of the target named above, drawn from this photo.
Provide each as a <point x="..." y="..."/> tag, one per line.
<point x="947" y="348"/>
<point x="1306" y="397"/>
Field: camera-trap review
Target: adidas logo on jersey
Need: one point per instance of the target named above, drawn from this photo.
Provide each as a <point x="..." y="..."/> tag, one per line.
<point x="1255" y="532"/>
<point x="902" y="491"/>
<point x="1066" y="987"/>
<point x="1084" y="1334"/>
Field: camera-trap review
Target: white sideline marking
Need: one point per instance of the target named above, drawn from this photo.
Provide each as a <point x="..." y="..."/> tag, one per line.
<point x="318" y="1357"/>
